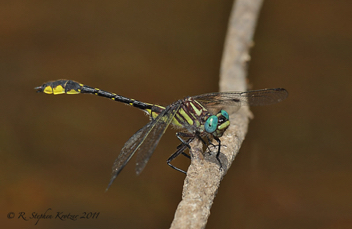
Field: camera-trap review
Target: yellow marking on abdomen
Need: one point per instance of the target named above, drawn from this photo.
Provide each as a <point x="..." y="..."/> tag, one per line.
<point x="73" y="91"/>
<point x="48" y="90"/>
<point x="58" y="90"/>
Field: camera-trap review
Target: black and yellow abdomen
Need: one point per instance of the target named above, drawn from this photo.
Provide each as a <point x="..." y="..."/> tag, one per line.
<point x="72" y="87"/>
<point x="60" y="87"/>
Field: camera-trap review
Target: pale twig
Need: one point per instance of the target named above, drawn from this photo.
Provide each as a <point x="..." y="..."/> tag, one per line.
<point x="204" y="176"/>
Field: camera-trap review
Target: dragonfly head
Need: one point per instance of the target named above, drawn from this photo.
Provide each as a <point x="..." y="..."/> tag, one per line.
<point x="217" y="124"/>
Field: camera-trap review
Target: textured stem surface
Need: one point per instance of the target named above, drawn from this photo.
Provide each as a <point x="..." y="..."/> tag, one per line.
<point x="204" y="176"/>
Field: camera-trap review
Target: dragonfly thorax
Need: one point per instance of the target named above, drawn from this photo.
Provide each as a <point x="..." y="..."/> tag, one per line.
<point x="195" y="117"/>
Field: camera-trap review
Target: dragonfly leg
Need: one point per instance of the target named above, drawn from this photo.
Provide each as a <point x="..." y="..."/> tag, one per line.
<point x="218" y="153"/>
<point x="185" y="143"/>
<point x="200" y="138"/>
<point x="186" y="155"/>
<point x="180" y="150"/>
<point x="210" y="143"/>
<point x="179" y="135"/>
<point x="189" y="135"/>
<point x="172" y="157"/>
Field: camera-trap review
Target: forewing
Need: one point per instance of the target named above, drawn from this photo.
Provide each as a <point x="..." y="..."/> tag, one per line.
<point x="263" y="97"/>
<point x="219" y="100"/>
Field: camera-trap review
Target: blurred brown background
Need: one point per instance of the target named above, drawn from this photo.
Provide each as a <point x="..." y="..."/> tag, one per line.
<point x="293" y="171"/>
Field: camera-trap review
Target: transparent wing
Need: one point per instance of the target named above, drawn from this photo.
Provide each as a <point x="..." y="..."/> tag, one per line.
<point x="151" y="140"/>
<point x="218" y="100"/>
<point x="144" y="141"/>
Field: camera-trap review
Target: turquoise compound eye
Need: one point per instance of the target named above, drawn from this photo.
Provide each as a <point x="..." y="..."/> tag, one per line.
<point x="225" y="114"/>
<point x="211" y="124"/>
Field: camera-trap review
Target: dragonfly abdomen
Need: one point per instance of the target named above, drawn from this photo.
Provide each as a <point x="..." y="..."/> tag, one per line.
<point x="115" y="97"/>
<point x="73" y="87"/>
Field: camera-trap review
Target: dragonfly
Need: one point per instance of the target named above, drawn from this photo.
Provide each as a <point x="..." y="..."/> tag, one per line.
<point x="200" y="116"/>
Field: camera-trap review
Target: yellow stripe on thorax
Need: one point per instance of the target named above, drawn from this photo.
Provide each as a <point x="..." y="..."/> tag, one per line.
<point x="185" y="116"/>
<point x="198" y="112"/>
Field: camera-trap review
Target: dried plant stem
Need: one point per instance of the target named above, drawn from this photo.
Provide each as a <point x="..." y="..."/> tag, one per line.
<point x="204" y="176"/>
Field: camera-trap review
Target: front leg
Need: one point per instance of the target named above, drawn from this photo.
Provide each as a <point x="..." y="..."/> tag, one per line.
<point x="180" y="150"/>
<point x="218" y="153"/>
